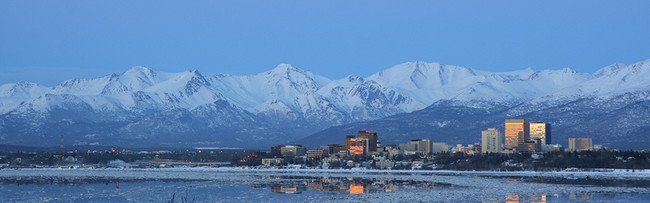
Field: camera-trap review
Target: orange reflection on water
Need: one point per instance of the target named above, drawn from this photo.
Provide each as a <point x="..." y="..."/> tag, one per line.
<point x="512" y="199"/>
<point x="584" y="196"/>
<point x="537" y="198"/>
<point x="529" y="198"/>
<point x="356" y="188"/>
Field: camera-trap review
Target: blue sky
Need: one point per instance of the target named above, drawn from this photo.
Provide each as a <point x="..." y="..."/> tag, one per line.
<point x="49" y="41"/>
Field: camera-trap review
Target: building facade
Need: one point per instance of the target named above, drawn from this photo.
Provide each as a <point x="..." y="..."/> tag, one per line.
<point x="517" y="131"/>
<point x="276" y="150"/>
<point x="315" y="153"/>
<point x="272" y="161"/>
<point x="357" y="146"/>
<point x="372" y="139"/>
<point x="421" y="146"/>
<point x="332" y="149"/>
<point x="580" y="144"/>
<point x="293" y="151"/>
<point x="491" y="141"/>
<point x="541" y="131"/>
<point x="437" y="147"/>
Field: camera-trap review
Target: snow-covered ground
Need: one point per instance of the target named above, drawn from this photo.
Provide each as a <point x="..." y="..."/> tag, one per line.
<point x="236" y="184"/>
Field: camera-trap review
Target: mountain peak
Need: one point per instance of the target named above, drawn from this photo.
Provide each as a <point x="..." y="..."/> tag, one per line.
<point x="609" y="69"/>
<point x="140" y="69"/>
<point x="568" y="70"/>
<point x="25" y="84"/>
<point x="283" y="68"/>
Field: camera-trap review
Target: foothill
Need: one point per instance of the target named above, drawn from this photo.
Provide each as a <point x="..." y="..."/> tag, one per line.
<point x="523" y="146"/>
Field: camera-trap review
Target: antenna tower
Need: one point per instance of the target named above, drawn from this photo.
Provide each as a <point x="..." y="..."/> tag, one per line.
<point x="62" y="146"/>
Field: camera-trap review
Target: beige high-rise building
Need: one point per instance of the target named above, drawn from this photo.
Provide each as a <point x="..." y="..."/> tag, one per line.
<point x="517" y="131"/>
<point x="491" y="141"/>
<point x="541" y="131"/>
<point x="293" y="150"/>
<point x="422" y="146"/>
<point x="437" y="147"/>
<point x="580" y="144"/>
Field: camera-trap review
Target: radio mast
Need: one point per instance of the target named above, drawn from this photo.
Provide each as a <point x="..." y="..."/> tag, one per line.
<point x="62" y="146"/>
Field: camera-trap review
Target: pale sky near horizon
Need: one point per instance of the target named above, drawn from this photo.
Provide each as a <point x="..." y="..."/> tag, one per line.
<point x="47" y="42"/>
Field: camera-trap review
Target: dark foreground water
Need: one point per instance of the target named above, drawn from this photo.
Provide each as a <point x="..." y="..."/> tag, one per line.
<point x="291" y="186"/>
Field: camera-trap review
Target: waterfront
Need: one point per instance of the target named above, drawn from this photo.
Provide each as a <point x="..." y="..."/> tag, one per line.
<point x="252" y="185"/>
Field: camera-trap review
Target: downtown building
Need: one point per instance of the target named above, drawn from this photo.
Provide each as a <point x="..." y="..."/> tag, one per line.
<point x="491" y="141"/>
<point x="541" y="131"/>
<point x="580" y="144"/>
<point x="517" y="131"/>
<point x="524" y="136"/>
<point x="372" y="139"/>
<point x="293" y="151"/>
<point x="422" y="146"/>
<point x="356" y="146"/>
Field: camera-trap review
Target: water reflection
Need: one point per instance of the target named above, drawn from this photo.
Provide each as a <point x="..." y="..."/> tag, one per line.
<point x="356" y="188"/>
<point x="580" y="196"/>
<point x="526" y="198"/>
<point x="541" y="198"/>
<point x="343" y="185"/>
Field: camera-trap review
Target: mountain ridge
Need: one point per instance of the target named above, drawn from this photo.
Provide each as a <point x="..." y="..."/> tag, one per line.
<point x="285" y="103"/>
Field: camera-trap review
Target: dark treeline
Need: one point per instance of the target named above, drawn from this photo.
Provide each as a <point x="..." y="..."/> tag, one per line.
<point x="25" y="159"/>
<point x="446" y="161"/>
<point x="545" y="161"/>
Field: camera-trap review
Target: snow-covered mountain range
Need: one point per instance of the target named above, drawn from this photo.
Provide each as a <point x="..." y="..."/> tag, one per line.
<point x="144" y="107"/>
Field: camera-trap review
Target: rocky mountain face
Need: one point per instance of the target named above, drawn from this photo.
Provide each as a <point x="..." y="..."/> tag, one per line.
<point x="142" y="107"/>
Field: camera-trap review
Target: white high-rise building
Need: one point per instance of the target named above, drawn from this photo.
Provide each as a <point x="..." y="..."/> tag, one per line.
<point x="491" y="141"/>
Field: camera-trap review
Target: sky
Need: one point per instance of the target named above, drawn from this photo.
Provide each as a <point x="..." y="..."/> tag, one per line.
<point x="48" y="42"/>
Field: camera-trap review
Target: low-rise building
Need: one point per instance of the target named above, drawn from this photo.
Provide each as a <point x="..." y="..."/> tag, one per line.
<point x="272" y="161"/>
<point x="385" y="164"/>
<point x="315" y="154"/>
<point x="293" y="151"/>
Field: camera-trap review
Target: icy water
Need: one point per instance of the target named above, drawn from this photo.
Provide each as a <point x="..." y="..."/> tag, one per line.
<point x="205" y="185"/>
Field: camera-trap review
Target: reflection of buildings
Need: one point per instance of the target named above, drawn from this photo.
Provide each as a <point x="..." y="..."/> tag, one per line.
<point x="288" y="189"/>
<point x="512" y="199"/>
<point x="356" y="188"/>
<point x="529" y="198"/>
<point x="581" y="196"/>
<point x="345" y="185"/>
<point x="537" y="198"/>
<point x="315" y="186"/>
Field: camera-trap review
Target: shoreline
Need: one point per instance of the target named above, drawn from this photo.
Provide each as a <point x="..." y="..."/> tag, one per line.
<point x="115" y="172"/>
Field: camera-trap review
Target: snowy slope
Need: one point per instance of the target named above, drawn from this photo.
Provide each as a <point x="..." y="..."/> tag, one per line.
<point x="283" y="83"/>
<point x="13" y="94"/>
<point x="290" y="102"/>
<point x="430" y="82"/>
